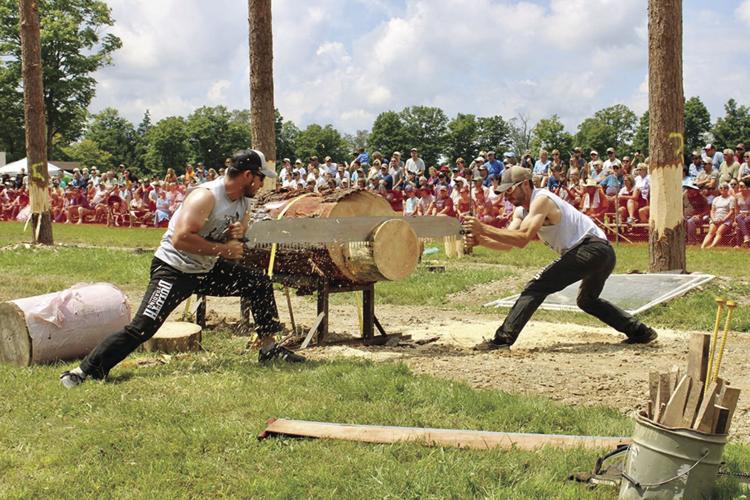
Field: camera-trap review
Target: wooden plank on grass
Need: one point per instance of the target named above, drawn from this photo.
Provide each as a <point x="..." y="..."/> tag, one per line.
<point x="699" y="346"/>
<point x="662" y="396"/>
<point x="704" y="420"/>
<point x="676" y="406"/>
<point x="480" y="440"/>
<point x="312" y="331"/>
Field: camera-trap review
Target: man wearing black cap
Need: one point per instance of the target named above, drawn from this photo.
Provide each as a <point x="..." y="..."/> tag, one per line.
<point x="585" y="254"/>
<point x="196" y="255"/>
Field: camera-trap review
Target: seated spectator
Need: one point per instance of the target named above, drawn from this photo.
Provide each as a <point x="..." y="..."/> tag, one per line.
<point x="612" y="183"/>
<point x="139" y="212"/>
<point x="171" y="176"/>
<point x="426" y="198"/>
<point x="163" y="212"/>
<point x="729" y="167"/>
<point x="553" y="182"/>
<point x="723" y="209"/>
<point x="626" y="195"/>
<point x="411" y="203"/>
<point x="464" y="203"/>
<point x="540" y="173"/>
<point x="742" y="220"/>
<point x="695" y="209"/>
<point x="640" y="206"/>
<point x="443" y="204"/>
<point x="594" y="202"/>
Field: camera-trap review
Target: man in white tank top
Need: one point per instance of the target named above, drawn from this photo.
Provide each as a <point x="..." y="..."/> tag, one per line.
<point x="198" y="254"/>
<point x="585" y="254"/>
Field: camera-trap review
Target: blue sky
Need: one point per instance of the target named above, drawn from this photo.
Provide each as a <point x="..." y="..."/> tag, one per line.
<point x="345" y="61"/>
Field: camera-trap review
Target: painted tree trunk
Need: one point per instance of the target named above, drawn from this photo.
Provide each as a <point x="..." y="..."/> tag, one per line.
<point x="391" y="253"/>
<point x="262" y="114"/>
<point x="666" y="135"/>
<point x="36" y="139"/>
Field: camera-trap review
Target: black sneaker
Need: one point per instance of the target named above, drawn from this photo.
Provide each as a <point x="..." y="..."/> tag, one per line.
<point x="645" y="338"/>
<point x="278" y="352"/>
<point x="70" y="379"/>
<point x="492" y="345"/>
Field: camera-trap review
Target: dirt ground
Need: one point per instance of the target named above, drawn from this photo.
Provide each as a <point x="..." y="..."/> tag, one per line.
<point x="573" y="364"/>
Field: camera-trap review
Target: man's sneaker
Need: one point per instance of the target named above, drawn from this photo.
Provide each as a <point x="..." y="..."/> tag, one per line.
<point x="278" y="352"/>
<point x="492" y="345"/>
<point x="645" y="338"/>
<point x="72" y="378"/>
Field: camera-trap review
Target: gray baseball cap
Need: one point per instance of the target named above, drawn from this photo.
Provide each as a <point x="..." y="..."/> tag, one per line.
<point x="512" y="176"/>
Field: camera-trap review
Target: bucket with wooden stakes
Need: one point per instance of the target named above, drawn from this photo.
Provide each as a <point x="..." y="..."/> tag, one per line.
<point x="679" y="439"/>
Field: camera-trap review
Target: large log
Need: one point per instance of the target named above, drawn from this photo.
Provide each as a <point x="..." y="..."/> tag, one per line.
<point x="391" y="253"/>
<point x="60" y="326"/>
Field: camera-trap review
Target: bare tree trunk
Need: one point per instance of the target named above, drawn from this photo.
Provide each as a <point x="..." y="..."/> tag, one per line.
<point x="666" y="104"/>
<point x="262" y="115"/>
<point x="36" y="137"/>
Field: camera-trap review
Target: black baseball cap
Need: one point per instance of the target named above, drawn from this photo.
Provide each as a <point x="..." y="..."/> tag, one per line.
<point x="252" y="160"/>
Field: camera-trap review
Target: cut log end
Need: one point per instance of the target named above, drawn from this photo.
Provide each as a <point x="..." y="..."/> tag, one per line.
<point x="175" y="336"/>
<point x="395" y="249"/>
<point x="15" y="342"/>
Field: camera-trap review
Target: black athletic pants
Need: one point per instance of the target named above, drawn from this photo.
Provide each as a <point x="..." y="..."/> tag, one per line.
<point x="167" y="289"/>
<point x="591" y="261"/>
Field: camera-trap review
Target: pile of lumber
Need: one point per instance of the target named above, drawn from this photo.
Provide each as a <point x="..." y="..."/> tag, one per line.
<point x="685" y="400"/>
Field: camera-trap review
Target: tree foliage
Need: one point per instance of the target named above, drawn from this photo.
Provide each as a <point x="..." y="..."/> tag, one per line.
<point x="640" y="139"/>
<point x="89" y="154"/>
<point x="609" y="127"/>
<point x="733" y="127"/>
<point x="550" y="134"/>
<point x="426" y="128"/>
<point x="167" y="145"/>
<point x="461" y="140"/>
<point x="697" y="124"/>
<point x="74" y="46"/>
<point x="213" y="133"/>
<point x="388" y="133"/>
<point x="321" y="142"/>
<point x="115" y="135"/>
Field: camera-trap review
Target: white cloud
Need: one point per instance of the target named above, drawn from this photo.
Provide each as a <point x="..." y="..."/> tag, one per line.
<point x="343" y="61"/>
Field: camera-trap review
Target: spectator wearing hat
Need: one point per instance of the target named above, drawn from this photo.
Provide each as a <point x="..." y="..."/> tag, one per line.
<point x="707" y="179"/>
<point x="485" y="175"/>
<point x="729" y="168"/>
<point x="286" y="170"/>
<point x="411" y="202"/>
<point x="528" y="161"/>
<point x="415" y="164"/>
<point x="577" y="162"/>
<point x="744" y="172"/>
<point x="695" y="209"/>
<point x="478" y="188"/>
<point x="611" y="160"/>
<point x="557" y="161"/>
<point x="715" y="157"/>
<point x="696" y="166"/>
<point x="594" y="154"/>
<point x="612" y="183"/>
<point x="509" y="158"/>
<point x="594" y="202"/>
<point x="443" y="204"/>
<point x="541" y="169"/>
<point x="723" y="210"/>
<point x="426" y="197"/>
<point x="475" y="164"/>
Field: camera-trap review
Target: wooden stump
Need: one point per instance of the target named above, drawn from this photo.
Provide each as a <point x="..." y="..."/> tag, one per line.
<point x="175" y="336"/>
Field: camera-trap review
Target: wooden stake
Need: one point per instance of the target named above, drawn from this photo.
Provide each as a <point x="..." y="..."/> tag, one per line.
<point x="699" y="348"/>
<point x="676" y="406"/>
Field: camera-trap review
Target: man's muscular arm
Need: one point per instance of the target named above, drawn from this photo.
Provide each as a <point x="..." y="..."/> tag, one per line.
<point x="502" y="239"/>
<point x="195" y="210"/>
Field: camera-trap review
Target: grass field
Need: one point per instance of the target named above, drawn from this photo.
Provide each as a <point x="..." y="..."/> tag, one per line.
<point x="187" y="428"/>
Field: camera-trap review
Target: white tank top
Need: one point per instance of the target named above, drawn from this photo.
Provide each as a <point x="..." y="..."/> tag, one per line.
<point x="572" y="228"/>
<point x="224" y="213"/>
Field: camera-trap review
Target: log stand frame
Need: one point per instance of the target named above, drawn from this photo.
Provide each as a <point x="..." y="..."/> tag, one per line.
<point x="324" y="288"/>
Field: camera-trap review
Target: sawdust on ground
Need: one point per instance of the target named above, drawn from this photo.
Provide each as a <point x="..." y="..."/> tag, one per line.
<point x="570" y="363"/>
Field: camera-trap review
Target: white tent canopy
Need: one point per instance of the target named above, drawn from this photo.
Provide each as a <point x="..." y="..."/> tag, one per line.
<point x="16" y="167"/>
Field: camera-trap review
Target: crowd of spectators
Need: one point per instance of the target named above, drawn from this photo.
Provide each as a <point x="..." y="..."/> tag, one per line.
<point x="614" y="191"/>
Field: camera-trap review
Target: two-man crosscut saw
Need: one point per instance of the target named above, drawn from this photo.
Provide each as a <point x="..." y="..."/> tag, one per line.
<point x="310" y="231"/>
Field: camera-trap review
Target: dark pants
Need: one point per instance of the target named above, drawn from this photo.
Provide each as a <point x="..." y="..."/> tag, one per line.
<point x="592" y="262"/>
<point x="167" y="289"/>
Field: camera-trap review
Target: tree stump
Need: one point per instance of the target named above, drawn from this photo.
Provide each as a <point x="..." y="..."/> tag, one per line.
<point x="175" y="336"/>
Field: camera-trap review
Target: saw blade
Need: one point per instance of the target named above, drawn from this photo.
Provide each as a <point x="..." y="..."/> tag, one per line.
<point x="314" y="230"/>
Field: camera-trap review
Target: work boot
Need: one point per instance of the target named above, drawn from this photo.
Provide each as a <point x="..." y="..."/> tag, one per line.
<point x="278" y="352"/>
<point x="72" y="378"/>
<point x="492" y="345"/>
<point x="642" y="338"/>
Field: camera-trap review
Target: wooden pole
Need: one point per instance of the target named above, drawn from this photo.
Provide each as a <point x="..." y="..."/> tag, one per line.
<point x="666" y="135"/>
<point x="36" y="131"/>
<point x="262" y="113"/>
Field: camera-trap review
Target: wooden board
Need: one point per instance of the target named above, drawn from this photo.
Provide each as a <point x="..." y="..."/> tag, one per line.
<point x="175" y="336"/>
<point x="704" y="420"/>
<point x="721" y="420"/>
<point x="653" y="389"/>
<point x="480" y="440"/>
<point x="693" y="403"/>
<point x="699" y="346"/>
<point x="662" y="396"/>
<point x="676" y="406"/>
<point x="728" y="399"/>
<point x="15" y="341"/>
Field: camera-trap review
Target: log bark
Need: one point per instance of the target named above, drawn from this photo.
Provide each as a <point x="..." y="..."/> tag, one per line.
<point x="391" y="253"/>
<point x="175" y="336"/>
<point x="36" y="132"/>
<point x="262" y="113"/>
<point x="666" y="136"/>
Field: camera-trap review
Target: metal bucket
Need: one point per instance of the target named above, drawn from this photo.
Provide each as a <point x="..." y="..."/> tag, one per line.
<point x="671" y="463"/>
